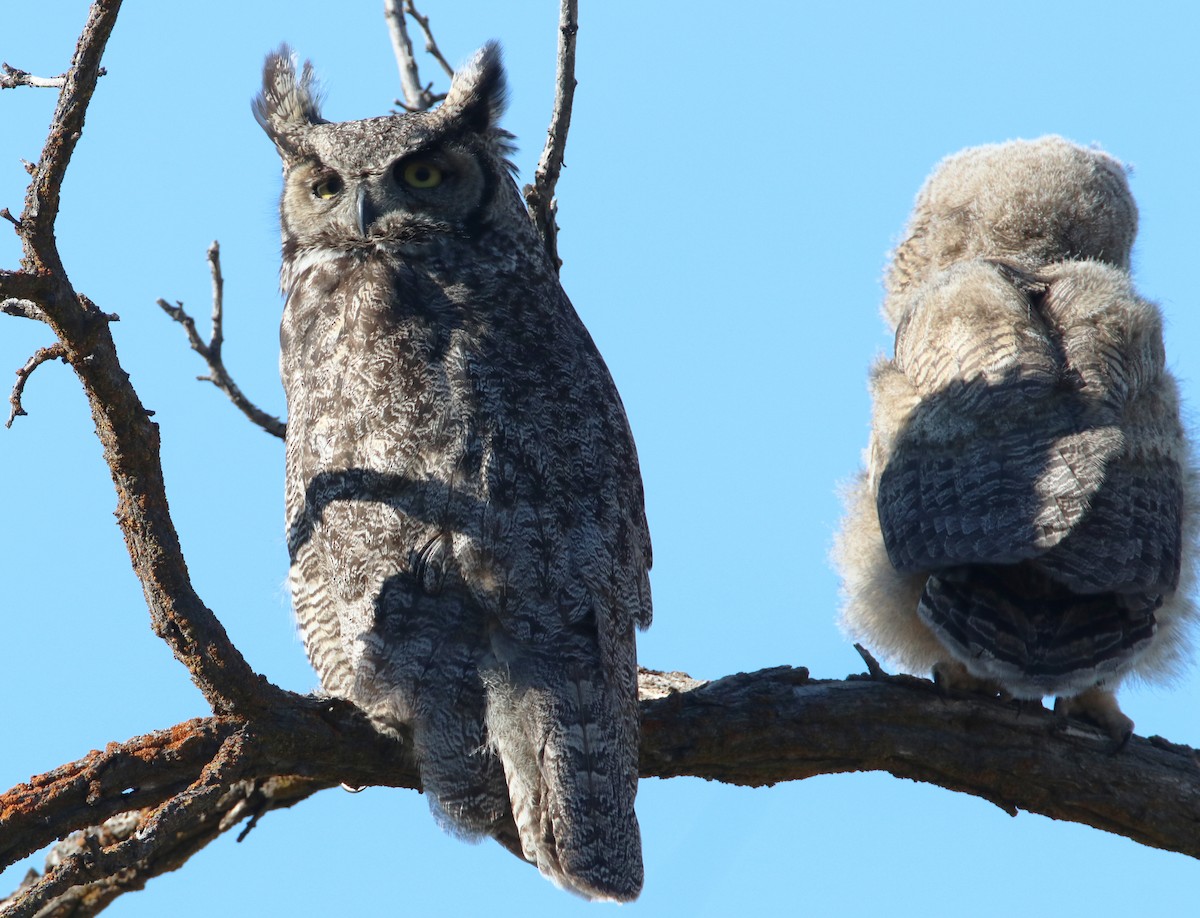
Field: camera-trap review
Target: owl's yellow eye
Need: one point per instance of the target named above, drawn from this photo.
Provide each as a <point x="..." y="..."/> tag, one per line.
<point x="328" y="188"/>
<point x="421" y="174"/>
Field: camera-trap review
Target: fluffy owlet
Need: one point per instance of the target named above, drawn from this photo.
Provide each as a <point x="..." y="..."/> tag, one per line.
<point x="469" y="551"/>
<point x="1026" y="524"/>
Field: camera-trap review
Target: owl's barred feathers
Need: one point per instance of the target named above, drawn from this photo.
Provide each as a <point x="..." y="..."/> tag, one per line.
<point x="469" y="546"/>
<point x="1028" y="516"/>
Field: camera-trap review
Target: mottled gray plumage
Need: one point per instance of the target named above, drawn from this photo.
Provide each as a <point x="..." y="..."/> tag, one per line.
<point x="1027" y="520"/>
<point x="469" y="547"/>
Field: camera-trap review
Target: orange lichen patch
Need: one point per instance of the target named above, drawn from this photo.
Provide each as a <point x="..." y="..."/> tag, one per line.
<point x="101" y="776"/>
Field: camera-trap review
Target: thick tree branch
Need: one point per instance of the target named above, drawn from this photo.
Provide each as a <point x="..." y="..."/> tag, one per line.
<point x="211" y="351"/>
<point x="130" y="440"/>
<point x="66" y="127"/>
<point x="201" y="778"/>
<point x="539" y="197"/>
<point x="326" y="740"/>
<point x="778" y="725"/>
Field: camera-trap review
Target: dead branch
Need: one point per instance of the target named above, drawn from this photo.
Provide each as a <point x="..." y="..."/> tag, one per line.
<point x="130" y="440"/>
<point x="19" y="292"/>
<point x="211" y="350"/>
<point x="43" y="354"/>
<point x="874" y="670"/>
<point x="205" y="776"/>
<point x="539" y="197"/>
<point x="12" y="77"/>
<point x="778" y="725"/>
<point x="431" y="46"/>
<point x="417" y="98"/>
<point x="25" y="309"/>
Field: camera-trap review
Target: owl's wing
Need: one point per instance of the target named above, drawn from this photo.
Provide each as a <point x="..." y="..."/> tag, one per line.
<point x="562" y="567"/>
<point x="1131" y="537"/>
<point x="1019" y="434"/>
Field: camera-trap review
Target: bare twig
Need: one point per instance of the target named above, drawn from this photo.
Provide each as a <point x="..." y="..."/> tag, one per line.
<point x="218" y="299"/>
<point x="431" y="46"/>
<point x="211" y="351"/>
<point x="12" y="77"/>
<point x="24" y="309"/>
<point x="417" y="98"/>
<point x="539" y="197"/>
<point x="874" y="670"/>
<point x="43" y="354"/>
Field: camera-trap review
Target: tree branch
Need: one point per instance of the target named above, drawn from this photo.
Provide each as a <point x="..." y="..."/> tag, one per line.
<point x="66" y="127"/>
<point x="539" y="197"/>
<point x="779" y="725"/>
<point x="43" y="354"/>
<point x="12" y="77"/>
<point x="129" y="439"/>
<point x="211" y="351"/>
<point x="431" y="46"/>
<point x="204" y="776"/>
<point x="19" y="291"/>
<point x="417" y="97"/>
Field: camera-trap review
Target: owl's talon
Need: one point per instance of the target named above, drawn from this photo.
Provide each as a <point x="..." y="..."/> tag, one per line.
<point x="1099" y="708"/>
<point x="952" y="678"/>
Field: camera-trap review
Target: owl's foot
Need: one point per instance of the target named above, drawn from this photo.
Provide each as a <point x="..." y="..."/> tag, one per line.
<point x="951" y="677"/>
<point x="1099" y="707"/>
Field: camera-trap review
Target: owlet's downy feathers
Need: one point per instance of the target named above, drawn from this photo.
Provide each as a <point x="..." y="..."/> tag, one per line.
<point x="1027" y="521"/>
<point x="469" y="551"/>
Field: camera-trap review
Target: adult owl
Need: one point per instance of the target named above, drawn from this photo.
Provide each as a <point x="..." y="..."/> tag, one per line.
<point x="1026" y="523"/>
<point x="469" y="550"/>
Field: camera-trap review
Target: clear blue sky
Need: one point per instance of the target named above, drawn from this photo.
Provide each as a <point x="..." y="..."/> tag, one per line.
<point x="736" y="177"/>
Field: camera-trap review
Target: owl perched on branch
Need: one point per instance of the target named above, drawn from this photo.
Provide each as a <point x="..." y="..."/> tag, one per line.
<point x="467" y="535"/>
<point x="1026" y="524"/>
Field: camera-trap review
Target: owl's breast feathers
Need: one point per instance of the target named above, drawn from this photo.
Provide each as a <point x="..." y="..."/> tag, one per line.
<point x="501" y="429"/>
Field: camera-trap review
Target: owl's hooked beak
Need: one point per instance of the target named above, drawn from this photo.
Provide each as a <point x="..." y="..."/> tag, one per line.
<point x="364" y="210"/>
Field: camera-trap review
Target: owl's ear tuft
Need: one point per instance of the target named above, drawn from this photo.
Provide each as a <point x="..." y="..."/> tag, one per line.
<point x="288" y="103"/>
<point x="479" y="92"/>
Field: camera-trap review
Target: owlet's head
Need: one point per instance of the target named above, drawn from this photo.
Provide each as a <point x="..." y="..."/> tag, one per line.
<point x="399" y="179"/>
<point x="1034" y="202"/>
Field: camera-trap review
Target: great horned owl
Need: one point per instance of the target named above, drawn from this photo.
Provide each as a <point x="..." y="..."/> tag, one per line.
<point x="1026" y="524"/>
<point x="469" y="550"/>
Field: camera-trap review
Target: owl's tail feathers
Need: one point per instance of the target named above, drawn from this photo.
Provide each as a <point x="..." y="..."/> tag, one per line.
<point x="461" y="778"/>
<point x="569" y="750"/>
<point x="1016" y="626"/>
